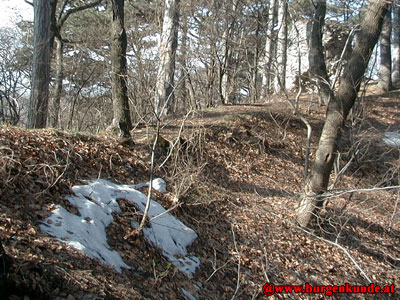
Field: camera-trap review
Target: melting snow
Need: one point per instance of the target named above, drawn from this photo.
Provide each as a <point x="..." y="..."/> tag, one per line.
<point x="96" y="201"/>
<point x="392" y="139"/>
<point x="158" y="184"/>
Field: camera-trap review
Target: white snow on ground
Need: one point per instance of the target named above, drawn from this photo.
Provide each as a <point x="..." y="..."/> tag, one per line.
<point x="392" y="139"/>
<point x="158" y="184"/>
<point x="95" y="203"/>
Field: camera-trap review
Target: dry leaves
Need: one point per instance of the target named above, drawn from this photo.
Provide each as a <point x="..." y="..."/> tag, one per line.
<point x="247" y="163"/>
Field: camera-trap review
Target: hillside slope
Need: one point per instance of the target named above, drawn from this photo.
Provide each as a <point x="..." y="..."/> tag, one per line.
<point x="235" y="180"/>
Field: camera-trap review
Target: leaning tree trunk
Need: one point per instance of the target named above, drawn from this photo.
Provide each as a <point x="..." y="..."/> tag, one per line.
<point x="122" y="118"/>
<point x="396" y="44"/>
<point x="169" y="43"/>
<point x="39" y="99"/>
<point x="385" y="72"/>
<point x="316" y="54"/>
<point x="338" y="109"/>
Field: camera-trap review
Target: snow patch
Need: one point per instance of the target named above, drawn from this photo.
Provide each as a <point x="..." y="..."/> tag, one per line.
<point x="158" y="184"/>
<point x="96" y="202"/>
<point x="392" y="139"/>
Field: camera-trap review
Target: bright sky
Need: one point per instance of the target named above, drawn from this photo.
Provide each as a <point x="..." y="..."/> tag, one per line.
<point x="13" y="11"/>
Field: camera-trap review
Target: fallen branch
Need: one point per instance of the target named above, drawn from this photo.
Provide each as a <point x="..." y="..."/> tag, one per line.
<point x="341" y="248"/>
<point x="332" y="195"/>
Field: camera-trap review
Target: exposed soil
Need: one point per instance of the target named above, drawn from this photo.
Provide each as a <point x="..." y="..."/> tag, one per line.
<point x="236" y="173"/>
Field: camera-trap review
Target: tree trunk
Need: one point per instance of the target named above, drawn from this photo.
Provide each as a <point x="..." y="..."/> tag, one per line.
<point x="122" y="118"/>
<point x="226" y="70"/>
<point x="183" y="71"/>
<point x="270" y="46"/>
<point x="225" y="80"/>
<point x="316" y="54"/>
<point x="338" y="109"/>
<point x="187" y="86"/>
<point x="39" y="99"/>
<point x="396" y="44"/>
<point x="169" y="43"/>
<point x="255" y="66"/>
<point x="55" y="28"/>
<point x="210" y="71"/>
<point x="280" y="82"/>
<point x="385" y="72"/>
<point x="59" y="82"/>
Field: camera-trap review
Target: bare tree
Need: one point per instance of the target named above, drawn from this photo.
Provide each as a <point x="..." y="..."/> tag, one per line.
<point x="282" y="45"/>
<point x="385" y="72"/>
<point x="167" y="52"/>
<point x="187" y="85"/>
<point x="38" y="108"/>
<point x="14" y="69"/>
<point x="254" y="67"/>
<point x="316" y="54"/>
<point x="122" y="119"/>
<point x="225" y="70"/>
<point x="57" y="25"/>
<point x="270" y="47"/>
<point x="396" y="44"/>
<point x="339" y="107"/>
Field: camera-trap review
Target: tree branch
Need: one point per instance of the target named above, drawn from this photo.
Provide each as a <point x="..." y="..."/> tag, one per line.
<point x="76" y="9"/>
<point x="341" y="248"/>
<point x="63" y="9"/>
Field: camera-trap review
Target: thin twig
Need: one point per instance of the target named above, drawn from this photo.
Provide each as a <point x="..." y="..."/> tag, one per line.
<point x="177" y="139"/>
<point x="299" y="114"/>
<point x="394" y="210"/>
<point x="309" y="129"/>
<point x="341" y="248"/>
<point x="146" y="210"/>
<point x="216" y="270"/>
<point x="332" y="195"/>
<point x="340" y="62"/>
<point x="238" y="264"/>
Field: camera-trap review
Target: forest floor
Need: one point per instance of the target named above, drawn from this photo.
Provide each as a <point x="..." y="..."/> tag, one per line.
<point x="235" y="177"/>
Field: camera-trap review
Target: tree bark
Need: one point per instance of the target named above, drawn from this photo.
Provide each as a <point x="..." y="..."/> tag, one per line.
<point x="396" y="44"/>
<point x="280" y="82"/>
<point x="255" y="66"/>
<point x="169" y="43"/>
<point x="226" y="69"/>
<point x="55" y="112"/>
<point x="338" y="109"/>
<point x="385" y="72"/>
<point x="210" y="71"/>
<point x="39" y="98"/>
<point x="121" y="112"/>
<point x="270" y="47"/>
<point x="316" y="56"/>
<point x="187" y="86"/>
